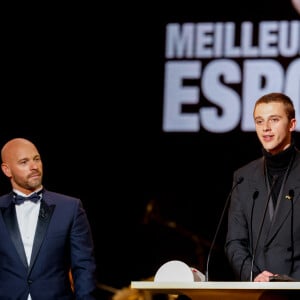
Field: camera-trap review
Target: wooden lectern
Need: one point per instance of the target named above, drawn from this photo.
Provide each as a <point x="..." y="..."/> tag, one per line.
<point x="216" y="290"/>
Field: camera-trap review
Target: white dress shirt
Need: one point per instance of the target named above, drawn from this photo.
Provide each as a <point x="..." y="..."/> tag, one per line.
<point x="27" y="216"/>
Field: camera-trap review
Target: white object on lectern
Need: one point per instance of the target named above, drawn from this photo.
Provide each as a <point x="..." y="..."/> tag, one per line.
<point x="177" y="271"/>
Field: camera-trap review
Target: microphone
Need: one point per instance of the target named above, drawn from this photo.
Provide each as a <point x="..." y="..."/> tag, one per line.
<point x="274" y="180"/>
<point x="290" y="195"/>
<point x="42" y="213"/>
<point x="254" y="197"/>
<point x="240" y="180"/>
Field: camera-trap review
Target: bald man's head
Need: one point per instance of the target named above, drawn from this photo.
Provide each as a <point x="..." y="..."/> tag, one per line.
<point x="22" y="164"/>
<point x="12" y="147"/>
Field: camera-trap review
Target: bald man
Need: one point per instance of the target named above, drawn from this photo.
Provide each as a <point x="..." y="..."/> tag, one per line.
<point x="43" y="234"/>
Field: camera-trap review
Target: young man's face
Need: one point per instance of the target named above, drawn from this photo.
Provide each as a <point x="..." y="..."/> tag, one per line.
<point x="273" y="127"/>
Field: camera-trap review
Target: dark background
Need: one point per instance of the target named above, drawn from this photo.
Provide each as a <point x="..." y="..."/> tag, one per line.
<point x="88" y="91"/>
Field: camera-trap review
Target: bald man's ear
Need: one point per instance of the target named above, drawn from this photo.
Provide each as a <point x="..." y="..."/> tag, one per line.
<point x="6" y="169"/>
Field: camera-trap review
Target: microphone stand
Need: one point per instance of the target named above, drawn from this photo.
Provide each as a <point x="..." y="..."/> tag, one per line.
<point x="219" y="224"/>
<point x="261" y="225"/>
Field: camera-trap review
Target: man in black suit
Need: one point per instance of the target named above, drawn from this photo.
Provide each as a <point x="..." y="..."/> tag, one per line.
<point x="263" y="238"/>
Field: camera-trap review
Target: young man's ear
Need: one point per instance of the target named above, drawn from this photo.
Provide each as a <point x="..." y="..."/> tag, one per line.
<point x="293" y="124"/>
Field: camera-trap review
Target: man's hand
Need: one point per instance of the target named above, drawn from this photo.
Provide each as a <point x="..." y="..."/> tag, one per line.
<point x="263" y="276"/>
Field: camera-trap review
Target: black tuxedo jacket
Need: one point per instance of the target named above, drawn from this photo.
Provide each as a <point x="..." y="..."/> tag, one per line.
<point x="62" y="239"/>
<point x="278" y="248"/>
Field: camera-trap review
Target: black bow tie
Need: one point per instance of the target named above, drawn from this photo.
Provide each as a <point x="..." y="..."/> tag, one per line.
<point x="18" y="199"/>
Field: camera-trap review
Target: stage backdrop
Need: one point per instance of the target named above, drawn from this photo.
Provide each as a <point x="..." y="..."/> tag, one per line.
<point x="182" y="86"/>
<point x="149" y="131"/>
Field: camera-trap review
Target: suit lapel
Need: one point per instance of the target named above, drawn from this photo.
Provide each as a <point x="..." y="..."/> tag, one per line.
<point x="285" y="205"/>
<point x="260" y="222"/>
<point x="44" y="218"/>
<point x="10" y="219"/>
<point x="260" y="203"/>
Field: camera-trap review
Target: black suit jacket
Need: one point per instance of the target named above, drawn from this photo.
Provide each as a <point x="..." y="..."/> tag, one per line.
<point x="278" y="249"/>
